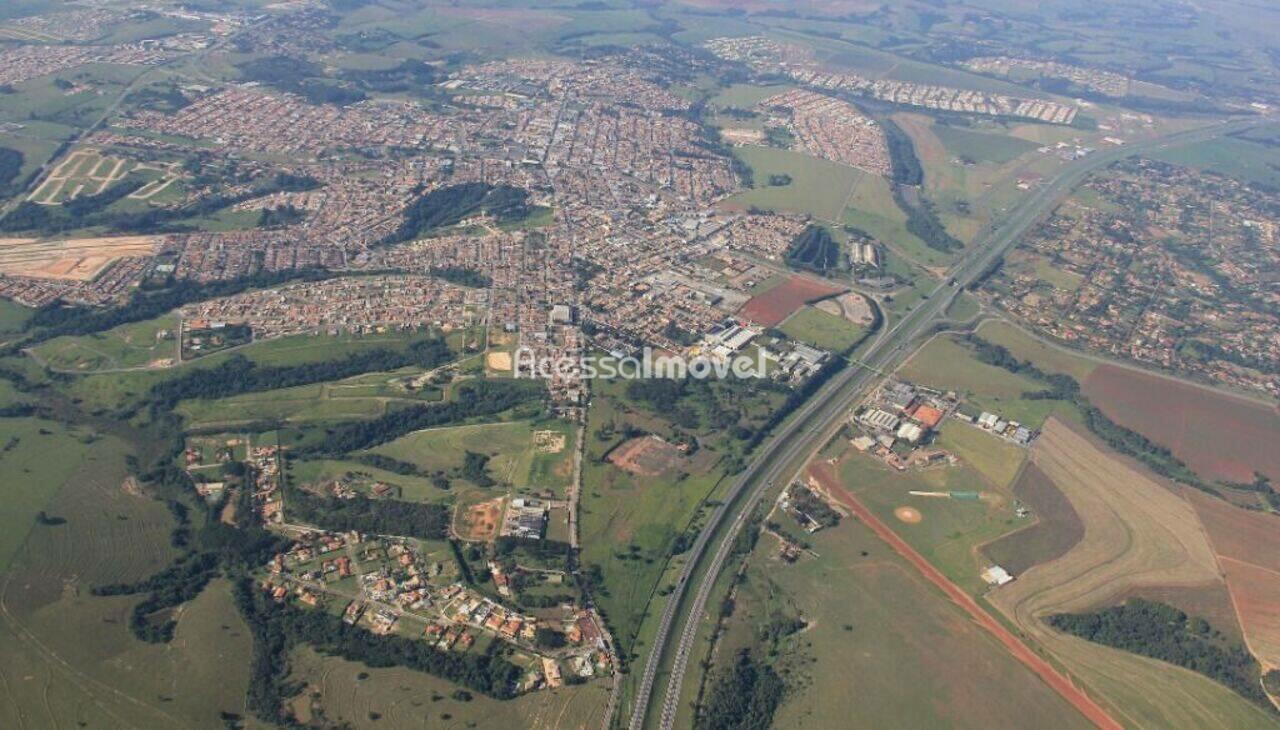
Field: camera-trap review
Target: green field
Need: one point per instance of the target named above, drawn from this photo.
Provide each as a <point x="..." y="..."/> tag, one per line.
<point x="982" y="146"/>
<point x="947" y="365"/>
<point x="355" y="695"/>
<point x="881" y="647"/>
<point x="818" y="188"/>
<point x="127" y="346"/>
<point x="951" y="529"/>
<point x="38" y="457"/>
<point x="513" y="457"/>
<point x="821" y="329"/>
<point x="1025" y="347"/>
<point x="1230" y="156"/>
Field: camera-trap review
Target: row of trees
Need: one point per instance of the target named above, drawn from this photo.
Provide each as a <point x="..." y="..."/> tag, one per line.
<point x="450" y="205"/>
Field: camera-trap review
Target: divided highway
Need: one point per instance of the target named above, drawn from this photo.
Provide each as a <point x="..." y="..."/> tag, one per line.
<point x="782" y="457"/>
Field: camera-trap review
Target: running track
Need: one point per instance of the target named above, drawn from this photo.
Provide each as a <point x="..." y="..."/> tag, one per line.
<point x="1020" y="651"/>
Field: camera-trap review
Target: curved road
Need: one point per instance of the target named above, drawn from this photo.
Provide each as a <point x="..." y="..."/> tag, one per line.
<point x="784" y="455"/>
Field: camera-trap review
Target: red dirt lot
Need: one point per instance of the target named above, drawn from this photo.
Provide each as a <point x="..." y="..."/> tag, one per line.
<point x="1019" y="650"/>
<point x="776" y="304"/>
<point x="1217" y="435"/>
<point x="646" y="456"/>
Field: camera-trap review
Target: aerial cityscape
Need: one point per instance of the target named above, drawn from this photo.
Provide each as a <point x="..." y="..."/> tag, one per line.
<point x="614" y="364"/>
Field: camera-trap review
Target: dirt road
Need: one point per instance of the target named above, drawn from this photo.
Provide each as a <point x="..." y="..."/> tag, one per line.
<point x="1019" y="650"/>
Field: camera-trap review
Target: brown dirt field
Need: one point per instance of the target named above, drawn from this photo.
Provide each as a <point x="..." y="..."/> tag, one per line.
<point x="1248" y="547"/>
<point x="1020" y="651"/>
<point x="498" y="361"/>
<point x="646" y="456"/>
<point x="1138" y="535"/>
<point x="480" y="521"/>
<point x="1218" y="436"/>
<point x="1256" y="592"/>
<point x="1252" y="537"/>
<point x="910" y="515"/>
<point x="1056" y="530"/>
<point x="1211" y="602"/>
<point x="778" y="303"/>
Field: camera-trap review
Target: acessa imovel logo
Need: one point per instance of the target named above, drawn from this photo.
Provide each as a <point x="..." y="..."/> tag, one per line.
<point x="530" y="364"/>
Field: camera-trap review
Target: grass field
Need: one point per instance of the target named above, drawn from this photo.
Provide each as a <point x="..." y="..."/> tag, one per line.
<point x="982" y="146"/>
<point x="1229" y="156"/>
<point x="871" y="207"/>
<point x="948" y="365"/>
<point x="70" y="659"/>
<point x="359" y="696"/>
<point x="1137" y="534"/>
<point x="38" y="457"/>
<point x="818" y="188"/>
<point x="514" y="458"/>
<point x="821" y="329"/>
<point x="882" y="648"/>
<point x="1025" y="347"/>
<point x="126" y="346"/>
<point x="951" y="529"/>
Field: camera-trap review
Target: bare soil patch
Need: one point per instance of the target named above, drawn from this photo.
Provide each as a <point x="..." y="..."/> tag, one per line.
<point x="909" y="515"/>
<point x="1056" y="530"/>
<point x="778" y="303"/>
<point x="646" y="456"/>
<point x="480" y="521"/>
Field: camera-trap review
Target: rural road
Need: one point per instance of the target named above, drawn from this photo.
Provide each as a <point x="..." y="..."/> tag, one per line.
<point x="784" y="455"/>
<point x="1020" y="651"/>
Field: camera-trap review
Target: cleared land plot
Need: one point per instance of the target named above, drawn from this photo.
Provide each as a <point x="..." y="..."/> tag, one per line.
<point x="1248" y="548"/>
<point x="1057" y="528"/>
<point x="645" y="456"/>
<point x="882" y="647"/>
<point x="818" y="188"/>
<point x="821" y="329"/>
<point x="79" y="259"/>
<point x="1137" y="534"/>
<point x="774" y="305"/>
<point x="1218" y="436"/>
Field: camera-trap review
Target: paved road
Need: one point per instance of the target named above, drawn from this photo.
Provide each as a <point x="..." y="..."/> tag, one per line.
<point x="1020" y="651"/>
<point x="785" y="454"/>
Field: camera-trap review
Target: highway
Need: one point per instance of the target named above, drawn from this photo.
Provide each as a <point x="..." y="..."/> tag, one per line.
<point x="782" y="457"/>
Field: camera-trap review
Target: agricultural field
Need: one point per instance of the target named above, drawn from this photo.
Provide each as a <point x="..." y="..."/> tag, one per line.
<point x="880" y="646"/>
<point x="823" y="330"/>
<point x="1218" y="435"/>
<point x="1247" y="544"/>
<point x="1056" y="528"/>
<point x="1137" y="534"/>
<point x="818" y="188"/>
